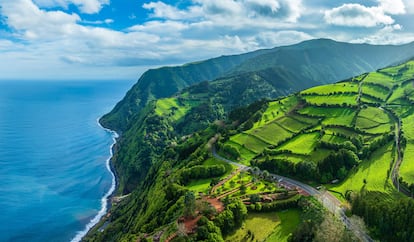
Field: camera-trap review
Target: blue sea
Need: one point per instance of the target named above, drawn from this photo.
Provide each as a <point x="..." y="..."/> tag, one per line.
<point x="53" y="157"/>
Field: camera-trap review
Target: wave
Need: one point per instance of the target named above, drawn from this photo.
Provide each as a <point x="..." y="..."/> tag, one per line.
<point x="104" y="201"/>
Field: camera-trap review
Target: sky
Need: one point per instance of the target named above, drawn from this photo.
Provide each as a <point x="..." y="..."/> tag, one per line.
<point x="120" y="39"/>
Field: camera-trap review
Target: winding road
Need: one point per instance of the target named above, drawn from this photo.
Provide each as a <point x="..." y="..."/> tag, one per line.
<point x="330" y="202"/>
<point x="397" y="164"/>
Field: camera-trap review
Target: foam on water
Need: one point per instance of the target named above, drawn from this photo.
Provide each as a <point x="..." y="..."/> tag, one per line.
<point x="104" y="200"/>
<point x="55" y="165"/>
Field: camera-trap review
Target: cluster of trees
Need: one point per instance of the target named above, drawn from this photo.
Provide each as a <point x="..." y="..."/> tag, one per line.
<point x="366" y="151"/>
<point x="242" y="114"/>
<point x="410" y="187"/>
<point x="318" y="225"/>
<point x="199" y="117"/>
<point x="208" y="231"/>
<point x="229" y="150"/>
<point x="201" y="172"/>
<point x="276" y="205"/>
<point x="337" y="146"/>
<point x="232" y="217"/>
<point x="391" y="220"/>
<point x="336" y="165"/>
<point x="327" y="94"/>
<point x="305" y="169"/>
<point x="332" y="105"/>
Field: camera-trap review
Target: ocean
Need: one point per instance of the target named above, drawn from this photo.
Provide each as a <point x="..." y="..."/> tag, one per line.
<point x="53" y="157"/>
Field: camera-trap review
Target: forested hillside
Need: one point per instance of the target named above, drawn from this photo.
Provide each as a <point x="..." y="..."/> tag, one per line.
<point x="350" y="136"/>
<point x="284" y="69"/>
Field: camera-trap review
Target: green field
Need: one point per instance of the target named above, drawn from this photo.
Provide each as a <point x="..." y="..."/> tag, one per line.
<point x="379" y="78"/>
<point x="304" y="119"/>
<point x="408" y="126"/>
<point x="345" y="87"/>
<point x="336" y="116"/>
<point x="374" y="171"/>
<point x="375" y="90"/>
<point x="246" y="154"/>
<point x="333" y="139"/>
<point x="249" y="142"/>
<point x="203" y="185"/>
<point x="401" y="72"/>
<point x="342" y="131"/>
<point x="277" y="109"/>
<point x="403" y="91"/>
<point x="277" y="227"/>
<point x="407" y="166"/>
<point x="373" y="120"/>
<point x="368" y="100"/>
<point x="339" y="99"/>
<point x="271" y="133"/>
<point x="302" y="144"/>
<point x="377" y="114"/>
<point x="292" y="125"/>
<point x="343" y="120"/>
<point x="171" y="107"/>
<point x="295" y="158"/>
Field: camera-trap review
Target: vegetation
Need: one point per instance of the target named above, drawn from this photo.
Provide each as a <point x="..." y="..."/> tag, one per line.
<point x="168" y="129"/>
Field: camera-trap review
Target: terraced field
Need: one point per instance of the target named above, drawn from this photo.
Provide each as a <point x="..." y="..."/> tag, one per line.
<point x="360" y="115"/>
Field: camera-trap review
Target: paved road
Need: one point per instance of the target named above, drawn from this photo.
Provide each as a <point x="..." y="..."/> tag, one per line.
<point x="330" y="202"/>
<point x="397" y="164"/>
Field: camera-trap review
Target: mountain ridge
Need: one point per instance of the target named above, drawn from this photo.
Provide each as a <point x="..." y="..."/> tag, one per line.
<point x="321" y="61"/>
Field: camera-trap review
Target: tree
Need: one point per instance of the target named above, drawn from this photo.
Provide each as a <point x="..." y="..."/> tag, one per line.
<point x="189" y="204"/>
<point x="254" y="198"/>
<point x="243" y="189"/>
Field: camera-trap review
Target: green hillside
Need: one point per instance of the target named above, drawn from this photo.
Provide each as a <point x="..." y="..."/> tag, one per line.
<point x="279" y="71"/>
<point x="359" y="117"/>
<point x="353" y="137"/>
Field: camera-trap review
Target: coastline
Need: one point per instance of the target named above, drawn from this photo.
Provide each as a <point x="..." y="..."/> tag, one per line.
<point x="106" y="199"/>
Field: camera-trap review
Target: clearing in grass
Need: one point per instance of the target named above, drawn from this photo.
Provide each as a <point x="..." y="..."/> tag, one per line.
<point x="170" y="107"/>
<point x="278" y="226"/>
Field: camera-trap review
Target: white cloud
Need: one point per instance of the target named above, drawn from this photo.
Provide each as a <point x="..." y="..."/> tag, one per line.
<point x="271" y="39"/>
<point x="409" y="6"/>
<point x="85" y="6"/>
<point x="161" y="10"/>
<point x="31" y="22"/>
<point x="387" y="35"/>
<point x="45" y="41"/>
<point x="392" y="6"/>
<point x="357" y="15"/>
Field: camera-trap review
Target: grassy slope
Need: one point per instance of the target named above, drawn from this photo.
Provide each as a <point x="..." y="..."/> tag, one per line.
<point x="374" y="171"/>
<point x="373" y="122"/>
<point x="278" y="226"/>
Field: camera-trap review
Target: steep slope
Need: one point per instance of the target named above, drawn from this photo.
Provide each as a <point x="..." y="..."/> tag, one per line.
<point x="165" y="81"/>
<point x="350" y="131"/>
<point x="287" y="69"/>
